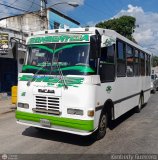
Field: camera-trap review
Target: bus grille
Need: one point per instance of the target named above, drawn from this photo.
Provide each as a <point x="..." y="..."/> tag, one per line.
<point x="47" y="105"/>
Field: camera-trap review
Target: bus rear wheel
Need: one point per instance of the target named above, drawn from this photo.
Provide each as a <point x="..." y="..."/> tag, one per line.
<point x="141" y="102"/>
<point x="101" y="131"/>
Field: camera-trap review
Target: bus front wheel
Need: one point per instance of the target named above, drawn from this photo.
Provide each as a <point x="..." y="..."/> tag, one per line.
<point x="141" y="102"/>
<point x="101" y="131"/>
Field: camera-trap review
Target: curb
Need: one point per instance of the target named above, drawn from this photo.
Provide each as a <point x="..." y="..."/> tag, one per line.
<point x="12" y="109"/>
<point x="3" y="96"/>
<point x="7" y="112"/>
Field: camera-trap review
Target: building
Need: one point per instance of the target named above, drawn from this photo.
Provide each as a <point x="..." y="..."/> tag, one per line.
<point x="9" y="66"/>
<point x="18" y="27"/>
<point x="57" y="20"/>
<point x="34" y="21"/>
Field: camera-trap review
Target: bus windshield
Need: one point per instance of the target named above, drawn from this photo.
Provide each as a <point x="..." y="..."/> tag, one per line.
<point x="71" y="59"/>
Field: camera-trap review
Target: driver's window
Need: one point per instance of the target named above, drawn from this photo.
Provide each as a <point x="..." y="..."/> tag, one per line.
<point x="107" y="67"/>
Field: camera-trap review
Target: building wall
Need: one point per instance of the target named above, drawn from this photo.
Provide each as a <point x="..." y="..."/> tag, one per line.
<point x="33" y="22"/>
<point x="25" y="23"/>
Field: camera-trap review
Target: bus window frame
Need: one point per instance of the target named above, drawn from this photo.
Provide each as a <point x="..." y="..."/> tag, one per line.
<point x="119" y="60"/>
<point x="140" y="64"/>
<point x="114" y="64"/>
<point x="132" y="48"/>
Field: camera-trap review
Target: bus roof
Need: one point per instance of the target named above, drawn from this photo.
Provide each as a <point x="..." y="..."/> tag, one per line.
<point x="90" y="30"/>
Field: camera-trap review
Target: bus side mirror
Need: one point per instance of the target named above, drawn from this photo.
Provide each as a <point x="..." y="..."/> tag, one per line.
<point x="15" y="50"/>
<point x="21" y="60"/>
<point x="95" y="46"/>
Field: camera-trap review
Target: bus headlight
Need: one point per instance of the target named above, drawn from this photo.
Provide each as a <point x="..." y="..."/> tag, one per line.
<point x="20" y="105"/>
<point x="75" y="111"/>
<point x="23" y="105"/>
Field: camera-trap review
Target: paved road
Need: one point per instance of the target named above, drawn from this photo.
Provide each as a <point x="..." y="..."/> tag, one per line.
<point x="134" y="133"/>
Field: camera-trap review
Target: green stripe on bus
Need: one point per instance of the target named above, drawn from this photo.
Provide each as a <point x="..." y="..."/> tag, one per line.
<point x="86" y="125"/>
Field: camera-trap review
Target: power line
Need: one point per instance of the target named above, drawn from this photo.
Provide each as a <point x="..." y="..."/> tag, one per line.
<point x="31" y="4"/>
<point x="16" y="8"/>
<point x="19" y="9"/>
<point x="26" y="11"/>
<point x="35" y="3"/>
<point x="14" y="2"/>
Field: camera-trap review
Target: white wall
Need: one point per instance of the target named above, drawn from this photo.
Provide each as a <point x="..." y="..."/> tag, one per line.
<point x="26" y="23"/>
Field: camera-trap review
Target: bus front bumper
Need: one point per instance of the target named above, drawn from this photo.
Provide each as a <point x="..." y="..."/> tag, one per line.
<point x="74" y="126"/>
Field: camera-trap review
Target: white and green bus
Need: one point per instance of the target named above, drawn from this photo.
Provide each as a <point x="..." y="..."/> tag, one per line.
<point x="78" y="80"/>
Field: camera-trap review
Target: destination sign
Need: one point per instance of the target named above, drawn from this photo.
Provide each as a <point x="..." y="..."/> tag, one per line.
<point x="61" y="38"/>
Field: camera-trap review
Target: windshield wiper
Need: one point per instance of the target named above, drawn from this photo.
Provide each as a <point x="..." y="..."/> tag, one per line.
<point x="62" y="79"/>
<point x="61" y="73"/>
<point x="29" y="81"/>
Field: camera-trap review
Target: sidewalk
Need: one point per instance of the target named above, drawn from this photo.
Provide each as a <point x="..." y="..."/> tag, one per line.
<point x="5" y="105"/>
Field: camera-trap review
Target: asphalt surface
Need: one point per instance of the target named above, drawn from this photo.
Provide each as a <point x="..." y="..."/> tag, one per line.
<point x="133" y="133"/>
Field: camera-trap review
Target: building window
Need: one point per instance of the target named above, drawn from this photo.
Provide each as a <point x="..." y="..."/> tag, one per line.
<point x="56" y="25"/>
<point x="130" y="60"/>
<point x="121" y="62"/>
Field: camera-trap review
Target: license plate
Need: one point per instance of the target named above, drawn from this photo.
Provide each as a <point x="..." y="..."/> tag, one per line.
<point x="45" y="123"/>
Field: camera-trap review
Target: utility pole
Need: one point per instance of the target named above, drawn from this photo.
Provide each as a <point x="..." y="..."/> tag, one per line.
<point x="43" y="15"/>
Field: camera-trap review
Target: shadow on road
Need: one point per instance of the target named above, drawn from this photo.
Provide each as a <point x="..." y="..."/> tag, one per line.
<point x="122" y="118"/>
<point x="58" y="136"/>
<point x="71" y="138"/>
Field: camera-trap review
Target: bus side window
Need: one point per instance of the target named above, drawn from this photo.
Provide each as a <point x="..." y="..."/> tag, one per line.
<point x="107" y="66"/>
<point x="121" y="62"/>
<point x="136" y="63"/>
<point x="147" y="65"/>
<point x="130" y="60"/>
<point x="142" y="63"/>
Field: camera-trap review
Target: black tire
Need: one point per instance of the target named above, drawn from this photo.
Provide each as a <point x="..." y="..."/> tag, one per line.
<point x="39" y="129"/>
<point x="101" y="131"/>
<point x="141" y="102"/>
<point x="154" y="91"/>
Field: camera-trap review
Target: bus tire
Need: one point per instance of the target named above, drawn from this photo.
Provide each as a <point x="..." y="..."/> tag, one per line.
<point x="101" y="131"/>
<point x="154" y="91"/>
<point x="141" y="102"/>
<point x="39" y="129"/>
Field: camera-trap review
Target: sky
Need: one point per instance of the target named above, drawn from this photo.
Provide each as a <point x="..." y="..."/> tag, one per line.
<point x="90" y="12"/>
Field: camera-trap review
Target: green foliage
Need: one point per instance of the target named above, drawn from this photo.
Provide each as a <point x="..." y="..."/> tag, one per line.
<point x="124" y="25"/>
<point x="154" y="61"/>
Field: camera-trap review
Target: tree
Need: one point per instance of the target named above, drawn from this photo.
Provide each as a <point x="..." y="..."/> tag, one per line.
<point x="124" y="25"/>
